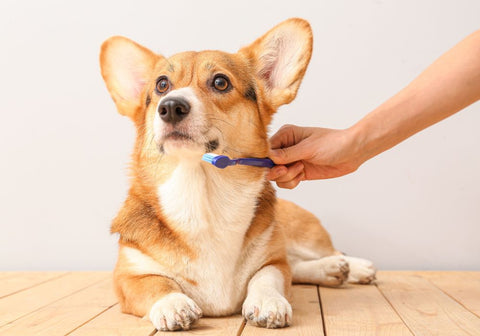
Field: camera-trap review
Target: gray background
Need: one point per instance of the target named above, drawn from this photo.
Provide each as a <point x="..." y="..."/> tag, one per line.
<point x="65" y="150"/>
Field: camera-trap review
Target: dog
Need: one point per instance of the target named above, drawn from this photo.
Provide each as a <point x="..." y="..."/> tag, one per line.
<point x="195" y="239"/>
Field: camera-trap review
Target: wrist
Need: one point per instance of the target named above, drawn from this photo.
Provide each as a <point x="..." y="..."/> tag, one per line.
<point x="361" y="141"/>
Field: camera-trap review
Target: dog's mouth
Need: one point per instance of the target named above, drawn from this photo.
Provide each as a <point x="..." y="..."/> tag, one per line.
<point x="181" y="139"/>
<point x="178" y="136"/>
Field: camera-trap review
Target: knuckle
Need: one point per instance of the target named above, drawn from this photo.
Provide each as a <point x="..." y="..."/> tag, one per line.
<point x="287" y="176"/>
<point x="287" y="127"/>
<point x="299" y="167"/>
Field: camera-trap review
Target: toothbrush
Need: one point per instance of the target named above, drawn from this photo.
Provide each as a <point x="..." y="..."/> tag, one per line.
<point x="223" y="161"/>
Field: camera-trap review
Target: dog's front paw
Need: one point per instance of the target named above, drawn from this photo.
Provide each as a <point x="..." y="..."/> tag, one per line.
<point x="268" y="310"/>
<point x="175" y="311"/>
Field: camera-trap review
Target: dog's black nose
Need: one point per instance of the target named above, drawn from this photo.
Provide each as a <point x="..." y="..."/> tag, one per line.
<point x="173" y="110"/>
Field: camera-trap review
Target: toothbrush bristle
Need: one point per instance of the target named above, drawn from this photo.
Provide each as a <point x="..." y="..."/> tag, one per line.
<point x="219" y="161"/>
<point x="208" y="157"/>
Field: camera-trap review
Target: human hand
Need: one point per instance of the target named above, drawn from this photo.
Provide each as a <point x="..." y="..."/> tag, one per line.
<point x="450" y="84"/>
<point x="310" y="153"/>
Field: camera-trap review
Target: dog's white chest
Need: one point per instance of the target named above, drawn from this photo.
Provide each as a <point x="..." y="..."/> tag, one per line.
<point x="219" y="285"/>
<point x="212" y="214"/>
<point x="222" y="273"/>
<point x="200" y="201"/>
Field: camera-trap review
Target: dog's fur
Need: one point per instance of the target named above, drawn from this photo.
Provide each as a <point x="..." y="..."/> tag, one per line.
<point x="197" y="239"/>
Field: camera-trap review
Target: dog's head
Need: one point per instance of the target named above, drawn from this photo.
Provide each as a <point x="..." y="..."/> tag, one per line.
<point x="209" y="101"/>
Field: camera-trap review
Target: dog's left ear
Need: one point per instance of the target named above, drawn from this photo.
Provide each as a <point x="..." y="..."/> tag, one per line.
<point x="280" y="58"/>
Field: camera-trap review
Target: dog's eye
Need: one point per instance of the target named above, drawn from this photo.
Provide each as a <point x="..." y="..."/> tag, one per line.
<point x="162" y="84"/>
<point x="221" y="83"/>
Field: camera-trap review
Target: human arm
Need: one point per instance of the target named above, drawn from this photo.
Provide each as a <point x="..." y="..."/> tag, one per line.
<point x="450" y="84"/>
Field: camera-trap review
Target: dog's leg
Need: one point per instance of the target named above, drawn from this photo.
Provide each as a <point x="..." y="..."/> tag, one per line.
<point x="333" y="271"/>
<point x="311" y="253"/>
<point x="159" y="298"/>
<point x="265" y="305"/>
<point x="328" y="271"/>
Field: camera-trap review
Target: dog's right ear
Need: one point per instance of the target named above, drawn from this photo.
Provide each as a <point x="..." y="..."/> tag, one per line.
<point x="126" y="68"/>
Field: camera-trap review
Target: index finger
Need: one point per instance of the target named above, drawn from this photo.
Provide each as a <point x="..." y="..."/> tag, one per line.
<point x="285" y="137"/>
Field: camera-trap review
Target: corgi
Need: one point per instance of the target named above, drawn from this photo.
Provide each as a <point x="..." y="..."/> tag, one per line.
<point x="194" y="239"/>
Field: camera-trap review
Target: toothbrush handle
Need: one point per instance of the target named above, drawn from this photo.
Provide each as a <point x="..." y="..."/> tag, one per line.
<point x="266" y="162"/>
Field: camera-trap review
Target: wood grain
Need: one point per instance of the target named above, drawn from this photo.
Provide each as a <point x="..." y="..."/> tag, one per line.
<point x="307" y="316"/>
<point x="464" y="287"/>
<point x="113" y="322"/>
<point x="15" y="306"/>
<point x="424" y="308"/>
<point x="13" y="282"/>
<point x="220" y="326"/>
<point x="403" y="303"/>
<point x="359" y="310"/>
<point x="64" y="315"/>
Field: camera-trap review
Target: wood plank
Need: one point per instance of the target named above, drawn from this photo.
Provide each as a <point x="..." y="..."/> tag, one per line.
<point x="430" y="303"/>
<point x="307" y="316"/>
<point x="464" y="287"/>
<point x="66" y="314"/>
<point x="113" y="322"/>
<point x="424" y="308"/>
<point x="209" y="326"/>
<point x="13" y="282"/>
<point x="17" y="305"/>
<point x="359" y="310"/>
<point x="7" y="274"/>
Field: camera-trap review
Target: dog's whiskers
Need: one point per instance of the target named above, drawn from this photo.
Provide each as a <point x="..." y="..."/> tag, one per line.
<point x="226" y="122"/>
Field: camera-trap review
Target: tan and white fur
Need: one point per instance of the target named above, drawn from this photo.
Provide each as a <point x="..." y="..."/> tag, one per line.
<point x="195" y="239"/>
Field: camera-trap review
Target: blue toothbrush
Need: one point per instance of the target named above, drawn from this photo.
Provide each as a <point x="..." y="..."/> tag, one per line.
<point x="222" y="161"/>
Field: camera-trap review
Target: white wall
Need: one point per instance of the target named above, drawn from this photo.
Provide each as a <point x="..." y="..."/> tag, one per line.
<point x="64" y="149"/>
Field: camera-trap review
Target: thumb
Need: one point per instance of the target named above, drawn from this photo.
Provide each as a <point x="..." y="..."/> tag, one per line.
<point x="288" y="155"/>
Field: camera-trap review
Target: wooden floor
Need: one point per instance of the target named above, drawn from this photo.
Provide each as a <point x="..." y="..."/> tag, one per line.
<point x="401" y="303"/>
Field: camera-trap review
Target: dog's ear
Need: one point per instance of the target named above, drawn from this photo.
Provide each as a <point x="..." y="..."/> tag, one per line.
<point x="126" y="68"/>
<point x="280" y="58"/>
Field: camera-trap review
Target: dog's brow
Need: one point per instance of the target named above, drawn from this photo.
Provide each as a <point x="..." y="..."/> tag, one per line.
<point x="208" y="66"/>
<point x="171" y="68"/>
<point x="229" y="61"/>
